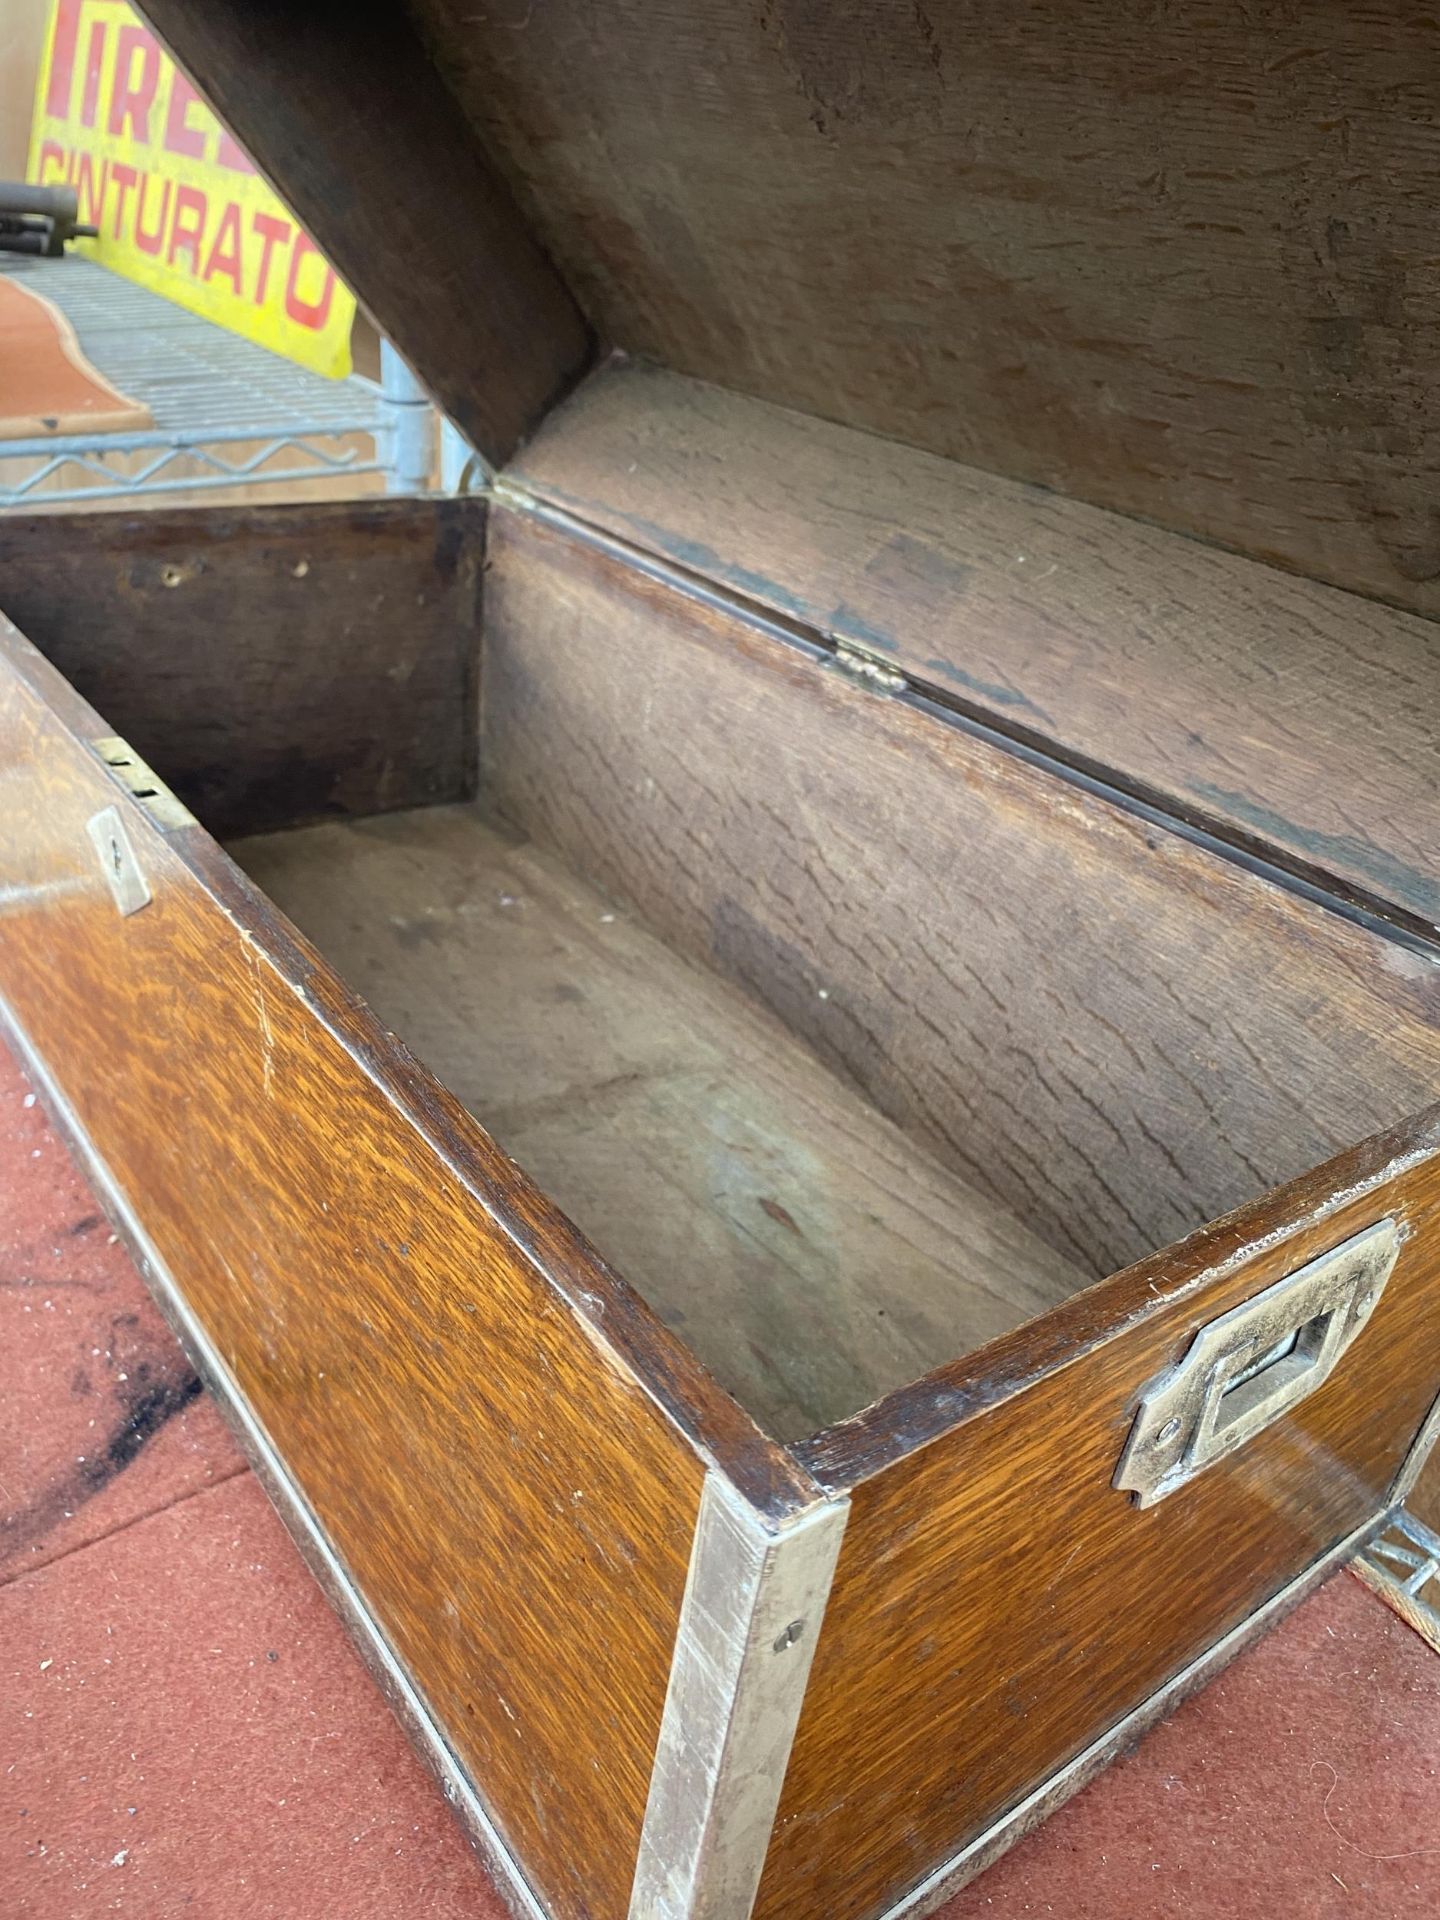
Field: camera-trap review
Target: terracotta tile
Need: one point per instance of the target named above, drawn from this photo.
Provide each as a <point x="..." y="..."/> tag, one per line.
<point x="46" y="383"/>
<point x="186" y="1732"/>
<point x="1302" y="1784"/>
<point x="101" y="1419"/>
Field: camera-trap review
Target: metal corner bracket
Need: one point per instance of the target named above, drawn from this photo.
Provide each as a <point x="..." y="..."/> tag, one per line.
<point x="749" y="1623"/>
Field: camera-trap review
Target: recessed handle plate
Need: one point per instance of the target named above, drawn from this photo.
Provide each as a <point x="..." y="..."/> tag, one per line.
<point x="1249" y="1367"/>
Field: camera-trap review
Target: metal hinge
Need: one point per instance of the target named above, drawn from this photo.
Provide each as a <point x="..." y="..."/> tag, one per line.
<point x="142" y="782"/>
<point x="869" y="671"/>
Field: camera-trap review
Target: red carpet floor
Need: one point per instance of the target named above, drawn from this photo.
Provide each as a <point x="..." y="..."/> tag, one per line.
<point x="185" y="1732"/>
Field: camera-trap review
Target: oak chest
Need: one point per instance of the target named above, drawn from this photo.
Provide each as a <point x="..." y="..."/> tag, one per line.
<point x="781" y="1064"/>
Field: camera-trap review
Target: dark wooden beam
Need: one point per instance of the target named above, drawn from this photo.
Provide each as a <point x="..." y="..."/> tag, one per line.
<point x="274" y="664"/>
<point x="343" y="110"/>
<point x="1176" y="261"/>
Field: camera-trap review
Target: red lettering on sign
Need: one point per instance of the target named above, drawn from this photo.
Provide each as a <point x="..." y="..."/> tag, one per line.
<point x="132" y="99"/>
<point x="94" y="60"/>
<point x="180" y="136"/>
<point x="225" y="248"/>
<point x="191" y="207"/>
<point x="125" y="179"/>
<point x="228" y="153"/>
<point x="151" y="242"/>
<point x="304" y="312"/>
<point x="62" y="59"/>
<point x="51" y="150"/>
<point x="271" y="231"/>
<point x="90" y="187"/>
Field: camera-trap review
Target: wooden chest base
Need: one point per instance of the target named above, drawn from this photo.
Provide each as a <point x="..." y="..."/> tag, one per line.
<point x="800" y="1570"/>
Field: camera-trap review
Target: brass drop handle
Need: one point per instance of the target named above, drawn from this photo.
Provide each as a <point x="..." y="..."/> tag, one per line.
<point x="1248" y="1368"/>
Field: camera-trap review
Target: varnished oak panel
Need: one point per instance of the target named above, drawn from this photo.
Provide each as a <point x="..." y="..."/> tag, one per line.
<point x="998" y="1606"/>
<point x="273" y="663"/>
<point x="1177" y="261"/>
<point x="1424" y="1497"/>
<point x="810" y="1255"/>
<point x="500" y="1443"/>
<point x="342" y="110"/>
<point x="1288" y="716"/>
<point x="1113" y="1032"/>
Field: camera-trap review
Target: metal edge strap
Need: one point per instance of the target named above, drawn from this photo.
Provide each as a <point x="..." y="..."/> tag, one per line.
<point x="1413" y="1464"/>
<point x="403" y="1697"/>
<point x="749" y="1623"/>
<point x="1037" y="1806"/>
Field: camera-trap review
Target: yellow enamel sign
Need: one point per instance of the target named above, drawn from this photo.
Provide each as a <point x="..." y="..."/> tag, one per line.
<point x="180" y="208"/>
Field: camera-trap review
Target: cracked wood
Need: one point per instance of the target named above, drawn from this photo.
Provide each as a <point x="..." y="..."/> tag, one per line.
<point x="1176" y="261"/>
<point x="1111" y="1031"/>
<point x="1288" y="716"/>
<point x="803" y="1248"/>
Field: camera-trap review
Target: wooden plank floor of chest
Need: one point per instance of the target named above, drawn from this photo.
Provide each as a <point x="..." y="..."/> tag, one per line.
<point x="796" y="1119"/>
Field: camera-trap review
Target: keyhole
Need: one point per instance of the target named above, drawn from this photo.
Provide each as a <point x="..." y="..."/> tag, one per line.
<point x="115" y="857"/>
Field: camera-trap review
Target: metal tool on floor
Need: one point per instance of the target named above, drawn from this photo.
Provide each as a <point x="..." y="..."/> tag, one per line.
<point x="41" y="220"/>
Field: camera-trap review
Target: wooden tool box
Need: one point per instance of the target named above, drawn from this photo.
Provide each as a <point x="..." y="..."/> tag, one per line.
<point x="898" y="837"/>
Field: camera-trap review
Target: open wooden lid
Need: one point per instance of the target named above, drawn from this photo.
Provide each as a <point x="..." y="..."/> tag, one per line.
<point x="1180" y="263"/>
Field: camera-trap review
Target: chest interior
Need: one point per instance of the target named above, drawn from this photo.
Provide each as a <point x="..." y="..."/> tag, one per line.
<point x="941" y="779"/>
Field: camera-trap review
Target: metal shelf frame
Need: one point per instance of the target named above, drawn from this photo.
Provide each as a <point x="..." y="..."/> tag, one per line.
<point x="240" y="414"/>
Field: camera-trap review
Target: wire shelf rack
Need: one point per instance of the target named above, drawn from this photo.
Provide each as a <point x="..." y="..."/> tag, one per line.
<point x="226" y="412"/>
<point x="1402" y="1565"/>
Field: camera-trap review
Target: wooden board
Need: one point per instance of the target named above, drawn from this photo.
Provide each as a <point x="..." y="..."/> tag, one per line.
<point x="963" y="1659"/>
<point x="47" y="386"/>
<point x="1180" y="263"/>
<point x="1424" y="1497"/>
<point x="806" y="1252"/>
<point x="1287" y="716"/>
<point x="502" y="1445"/>
<point x="344" y="112"/>
<point x="1109" y="1030"/>
<point x="274" y="663"/>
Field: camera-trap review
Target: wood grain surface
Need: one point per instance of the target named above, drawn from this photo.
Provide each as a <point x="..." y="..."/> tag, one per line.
<point x="1424" y="1497"/>
<point x="500" y="1442"/>
<point x="1110" y="1030"/>
<point x="1287" y="716"/>
<point x="808" y="1254"/>
<point x="273" y="663"/>
<point x="1179" y="262"/>
<point x="344" y="113"/>
<point x="998" y="1605"/>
